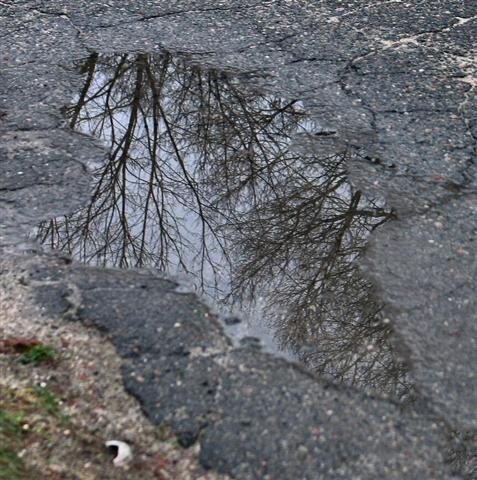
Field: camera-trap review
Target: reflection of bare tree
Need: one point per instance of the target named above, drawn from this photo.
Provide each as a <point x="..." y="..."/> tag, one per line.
<point x="201" y="178"/>
<point x="167" y="126"/>
<point x="308" y="240"/>
<point x="462" y="454"/>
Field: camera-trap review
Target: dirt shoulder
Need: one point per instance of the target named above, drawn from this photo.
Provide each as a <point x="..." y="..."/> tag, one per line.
<point x="62" y="398"/>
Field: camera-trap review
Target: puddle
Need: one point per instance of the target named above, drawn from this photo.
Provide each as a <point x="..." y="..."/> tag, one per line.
<point x="203" y="181"/>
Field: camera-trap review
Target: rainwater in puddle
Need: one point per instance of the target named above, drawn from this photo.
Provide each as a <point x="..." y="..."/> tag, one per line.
<point x="202" y="182"/>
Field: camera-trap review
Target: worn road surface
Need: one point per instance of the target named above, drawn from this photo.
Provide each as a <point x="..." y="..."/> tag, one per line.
<point x="395" y="83"/>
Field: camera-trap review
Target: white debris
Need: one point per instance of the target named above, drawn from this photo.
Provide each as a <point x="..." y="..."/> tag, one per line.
<point x="124" y="452"/>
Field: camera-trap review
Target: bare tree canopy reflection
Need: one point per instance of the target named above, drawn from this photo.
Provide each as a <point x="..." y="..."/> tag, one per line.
<point x="201" y="178"/>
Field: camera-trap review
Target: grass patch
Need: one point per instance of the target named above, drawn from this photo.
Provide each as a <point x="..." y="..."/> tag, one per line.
<point x="38" y="354"/>
<point x="11" y="466"/>
<point x="10" y="424"/>
<point x="11" y="432"/>
<point x="24" y="412"/>
<point x="48" y="400"/>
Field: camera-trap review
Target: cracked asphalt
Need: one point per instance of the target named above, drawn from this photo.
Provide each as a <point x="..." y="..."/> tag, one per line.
<point x="397" y="82"/>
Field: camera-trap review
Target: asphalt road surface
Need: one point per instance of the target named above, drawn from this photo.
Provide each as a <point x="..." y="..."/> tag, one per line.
<point x="394" y="84"/>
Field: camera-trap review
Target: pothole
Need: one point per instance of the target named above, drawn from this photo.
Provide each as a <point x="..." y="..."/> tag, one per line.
<point x="211" y="180"/>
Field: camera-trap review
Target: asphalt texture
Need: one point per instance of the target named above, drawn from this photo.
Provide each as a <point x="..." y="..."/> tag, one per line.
<point x="397" y="83"/>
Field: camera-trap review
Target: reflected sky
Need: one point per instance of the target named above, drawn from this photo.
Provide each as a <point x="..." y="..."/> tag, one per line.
<point x="203" y="179"/>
